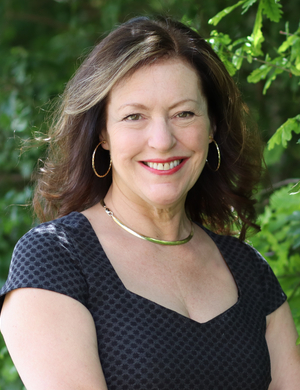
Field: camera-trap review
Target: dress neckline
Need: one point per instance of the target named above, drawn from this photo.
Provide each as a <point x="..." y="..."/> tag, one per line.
<point x="158" y="306"/>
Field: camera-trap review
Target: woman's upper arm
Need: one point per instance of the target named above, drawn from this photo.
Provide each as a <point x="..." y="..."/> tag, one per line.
<point x="281" y="337"/>
<point x="52" y="341"/>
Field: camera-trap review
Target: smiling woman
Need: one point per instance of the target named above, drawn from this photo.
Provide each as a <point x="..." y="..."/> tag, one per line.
<point x="126" y="289"/>
<point x="82" y="116"/>
<point x="159" y="151"/>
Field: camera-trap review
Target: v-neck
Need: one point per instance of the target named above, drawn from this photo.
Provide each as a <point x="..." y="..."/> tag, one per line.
<point x="159" y="306"/>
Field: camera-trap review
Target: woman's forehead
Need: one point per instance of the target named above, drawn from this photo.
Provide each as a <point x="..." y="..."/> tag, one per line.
<point x="174" y="71"/>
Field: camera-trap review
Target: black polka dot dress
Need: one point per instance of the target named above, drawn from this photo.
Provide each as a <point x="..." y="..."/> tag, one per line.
<point x="145" y="346"/>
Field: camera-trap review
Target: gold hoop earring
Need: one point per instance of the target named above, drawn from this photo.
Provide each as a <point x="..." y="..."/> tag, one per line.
<point x="219" y="157"/>
<point x="93" y="161"/>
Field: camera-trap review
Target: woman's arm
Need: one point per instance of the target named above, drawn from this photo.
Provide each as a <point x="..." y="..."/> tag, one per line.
<point x="281" y="337"/>
<point x="52" y="341"/>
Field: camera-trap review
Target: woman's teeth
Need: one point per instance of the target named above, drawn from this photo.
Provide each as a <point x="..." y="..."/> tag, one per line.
<point x="163" y="166"/>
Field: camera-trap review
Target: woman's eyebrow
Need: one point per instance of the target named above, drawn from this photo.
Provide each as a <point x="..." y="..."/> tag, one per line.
<point x="142" y="106"/>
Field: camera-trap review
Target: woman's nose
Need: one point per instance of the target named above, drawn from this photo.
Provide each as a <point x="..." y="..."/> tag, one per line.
<point x="161" y="135"/>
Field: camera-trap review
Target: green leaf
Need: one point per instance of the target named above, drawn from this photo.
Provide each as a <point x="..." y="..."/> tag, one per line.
<point x="249" y="58"/>
<point x="286" y="44"/>
<point x="219" y="38"/>
<point x="240" y="41"/>
<point x="297" y="62"/>
<point x="188" y="22"/>
<point x="295" y="189"/>
<point x="294" y="70"/>
<point x="247" y="5"/>
<point x="295" y="50"/>
<point x="287" y="27"/>
<point x="237" y="59"/>
<point x="257" y="35"/>
<point x="220" y="15"/>
<point x="272" y="9"/>
<point x="284" y="132"/>
<point x="259" y="74"/>
<point x="229" y="66"/>
<point x="298" y="341"/>
<point x="271" y="77"/>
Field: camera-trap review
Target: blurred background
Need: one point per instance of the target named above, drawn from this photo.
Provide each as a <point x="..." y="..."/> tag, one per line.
<point x="42" y="42"/>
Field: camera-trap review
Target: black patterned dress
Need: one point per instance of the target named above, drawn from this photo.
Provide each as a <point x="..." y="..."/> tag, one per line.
<point x="143" y="345"/>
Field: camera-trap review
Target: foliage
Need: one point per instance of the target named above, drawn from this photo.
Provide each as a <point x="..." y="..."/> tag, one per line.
<point x="9" y="379"/>
<point x="279" y="241"/>
<point x="284" y="133"/>
<point x="275" y="60"/>
<point x="42" y="42"/>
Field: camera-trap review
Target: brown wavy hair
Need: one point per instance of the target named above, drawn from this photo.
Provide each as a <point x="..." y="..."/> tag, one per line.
<point x="221" y="200"/>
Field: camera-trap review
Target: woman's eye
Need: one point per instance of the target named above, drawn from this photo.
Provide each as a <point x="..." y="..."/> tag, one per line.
<point x="185" y="114"/>
<point x="133" y="117"/>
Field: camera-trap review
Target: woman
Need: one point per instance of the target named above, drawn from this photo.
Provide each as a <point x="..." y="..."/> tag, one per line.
<point x="126" y="289"/>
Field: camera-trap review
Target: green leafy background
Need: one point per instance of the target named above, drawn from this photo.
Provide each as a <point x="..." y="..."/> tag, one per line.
<point x="44" y="41"/>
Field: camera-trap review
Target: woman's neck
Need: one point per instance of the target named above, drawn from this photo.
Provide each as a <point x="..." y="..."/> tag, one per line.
<point x="164" y="223"/>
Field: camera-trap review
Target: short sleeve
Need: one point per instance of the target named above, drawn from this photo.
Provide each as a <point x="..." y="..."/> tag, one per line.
<point x="273" y="295"/>
<point x="44" y="258"/>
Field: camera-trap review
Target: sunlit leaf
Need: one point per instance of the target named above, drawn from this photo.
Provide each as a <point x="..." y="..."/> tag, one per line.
<point x="272" y="9"/>
<point x="286" y="44"/>
<point x="284" y="132"/>
<point x="259" y="74"/>
<point x="295" y="189"/>
<point x="216" y="19"/>
<point x="237" y="59"/>
<point x="294" y="70"/>
<point x="270" y="78"/>
<point x="257" y="33"/>
<point x="247" y="5"/>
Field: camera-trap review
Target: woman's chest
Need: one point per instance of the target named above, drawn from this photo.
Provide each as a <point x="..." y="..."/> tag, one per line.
<point x="190" y="283"/>
<point x="146" y="345"/>
<point x="143" y="345"/>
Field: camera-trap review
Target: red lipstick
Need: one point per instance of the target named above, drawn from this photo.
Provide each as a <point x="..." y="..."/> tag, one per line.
<point x="163" y="161"/>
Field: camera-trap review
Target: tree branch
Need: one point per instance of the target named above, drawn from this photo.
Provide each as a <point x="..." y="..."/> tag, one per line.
<point x="278" y="185"/>
<point x="285" y="33"/>
<point x="270" y="64"/>
<point x="230" y="53"/>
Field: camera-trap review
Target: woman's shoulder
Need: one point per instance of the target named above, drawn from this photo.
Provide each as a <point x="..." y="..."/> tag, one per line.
<point x="49" y="256"/>
<point x="233" y="246"/>
<point x="71" y="222"/>
<point x="251" y="271"/>
<point x="63" y="232"/>
<point x="242" y="258"/>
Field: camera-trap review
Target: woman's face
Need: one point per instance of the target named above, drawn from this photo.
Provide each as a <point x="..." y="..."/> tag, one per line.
<point x="157" y="133"/>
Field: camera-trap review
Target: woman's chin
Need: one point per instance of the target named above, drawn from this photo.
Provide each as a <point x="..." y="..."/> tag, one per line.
<point x="169" y="201"/>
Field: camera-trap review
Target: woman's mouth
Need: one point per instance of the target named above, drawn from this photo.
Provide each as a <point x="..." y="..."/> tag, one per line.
<point x="163" y="166"/>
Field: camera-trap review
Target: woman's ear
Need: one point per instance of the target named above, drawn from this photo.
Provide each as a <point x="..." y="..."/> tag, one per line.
<point x="212" y="130"/>
<point x="103" y="138"/>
